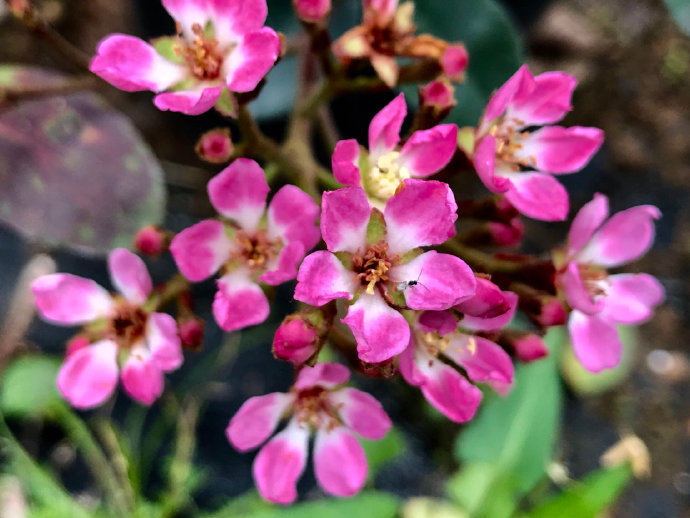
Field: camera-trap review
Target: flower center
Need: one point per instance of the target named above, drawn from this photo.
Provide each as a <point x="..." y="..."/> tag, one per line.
<point x="435" y="343"/>
<point x="594" y="279"/>
<point x="508" y="141"/>
<point x="386" y="175"/>
<point x="201" y="55"/>
<point x="373" y="266"/>
<point x="314" y="409"/>
<point x="128" y="325"/>
<point x="256" y="250"/>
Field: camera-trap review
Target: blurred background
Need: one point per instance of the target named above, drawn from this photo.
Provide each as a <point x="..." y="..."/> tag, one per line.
<point x="80" y="173"/>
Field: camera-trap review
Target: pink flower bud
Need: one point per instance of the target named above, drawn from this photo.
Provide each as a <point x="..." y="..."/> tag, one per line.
<point x="529" y="347"/>
<point x="191" y="331"/>
<point x="76" y="343"/>
<point x="552" y="313"/>
<point x="215" y="146"/>
<point x="488" y="301"/>
<point x="150" y="240"/>
<point x="311" y="11"/>
<point x="454" y="62"/>
<point x="438" y="95"/>
<point x="295" y="341"/>
<point x="507" y="234"/>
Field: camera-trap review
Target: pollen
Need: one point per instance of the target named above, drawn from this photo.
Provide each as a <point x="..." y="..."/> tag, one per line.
<point x="373" y="266"/>
<point x="202" y="55"/>
<point x="386" y="175"/>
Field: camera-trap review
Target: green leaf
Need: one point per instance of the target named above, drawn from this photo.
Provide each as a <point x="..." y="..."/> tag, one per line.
<point x="587" y="498"/>
<point x="680" y="11"/>
<point x="227" y="103"/>
<point x="587" y="383"/>
<point x="495" y="47"/>
<point x="382" y="451"/>
<point x="76" y="173"/>
<point x="508" y="446"/>
<point x="167" y="46"/>
<point x="28" y="387"/>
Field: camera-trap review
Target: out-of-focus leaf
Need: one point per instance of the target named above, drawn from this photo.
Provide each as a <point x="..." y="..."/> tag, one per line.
<point x="16" y="76"/>
<point x="588" y="383"/>
<point x="28" y="387"/>
<point x="76" y="173"/>
<point x="380" y="452"/>
<point x="506" y="449"/>
<point x="587" y="498"/>
<point x="366" y="504"/>
<point x="495" y="47"/>
<point x="422" y="507"/>
<point x="680" y="10"/>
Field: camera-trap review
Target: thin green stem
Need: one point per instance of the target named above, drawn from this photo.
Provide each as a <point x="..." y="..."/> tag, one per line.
<point x="478" y="259"/>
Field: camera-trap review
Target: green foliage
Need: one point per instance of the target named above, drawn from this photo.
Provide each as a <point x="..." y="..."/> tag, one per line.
<point x="680" y="10"/>
<point x="587" y="498"/>
<point x="506" y="449"/>
<point x="380" y="452"/>
<point x="28" y="387"/>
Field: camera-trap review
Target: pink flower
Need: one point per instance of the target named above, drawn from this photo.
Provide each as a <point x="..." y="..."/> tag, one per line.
<point x="150" y="240"/>
<point x="259" y="244"/>
<point x="222" y="45"/>
<point x="215" y="146"/>
<point x="147" y="342"/>
<point x="454" y="62"/>
<point x="435" y="336"/>
<point x="311" y="11"/>
<point x="295" y="341"/>
<point x="599" y="300"/>
<point x="317" y="403"/>
<point x="518" y="162"/>
<point x="381" y="171"/>
<point x="373" y="260"/>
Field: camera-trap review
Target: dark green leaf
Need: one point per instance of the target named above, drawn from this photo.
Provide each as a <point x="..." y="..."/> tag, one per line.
<point x="28" y="387"/>
<point x="382" y="451"/>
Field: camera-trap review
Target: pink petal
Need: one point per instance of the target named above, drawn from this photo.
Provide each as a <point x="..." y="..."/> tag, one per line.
<point x="340" y="465"/>
<point x="163" y="341"/>
<point x="233" y="18"/>
<point x="189" y="102"/>
<point x="344" y="218"/>
<point x="141" y="376"/>
<point x="442" y="280"/>
<point x="576" y="292"/>
<point x="312" y="10"/>
<point x="384" y="129"/>
<point x="188" y="12"/>
<point x="381" y="331"/>
<point x="587" y="220"/>
<point x="129" y="275"/>
<point x="66" y="299"/>
<point x="547" y="102"/>
<point x="595" y="341"/>
<point x="345" y="163"/>
<point x="256" y="420"/>
<point x="131" y="64"/>
<point x="450" y="392"/>
<point x="295" y="341"/>
<point x="239" y="192"/>
<point x="422" y="213"/>
<point x="285" y="267"/>
<point x="442" y="321"/>
<point x="89" y="375"/>
<point x="488" y="301"/>
<point x="239" y="302"/>
<point x="626" y="236"/>
<point x="454" y="62"/>
<point x="428" y="151"/>
<point x="292" y="216"/>
<point x="631" y="299"/>
<point x="322" y="278"/>
<point x="409" y="360"/>
<point x="361" y="412"/>
<point x="492" y="323"/>
<point x="538" y="196"/>
<point x="280" y="463"/>
<point x="555" y="149"/>
<point x="485" y="164"/>
<point x="530" y="348"/>
<point x="200" y="250"/>
<point x="483" y="360"/>
<point x="520" y="81"/>
<point x="324" y="374"/>
<point x="251" y="60"/>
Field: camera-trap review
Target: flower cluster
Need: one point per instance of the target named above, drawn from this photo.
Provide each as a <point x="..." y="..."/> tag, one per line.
<point x="394" y="287"/>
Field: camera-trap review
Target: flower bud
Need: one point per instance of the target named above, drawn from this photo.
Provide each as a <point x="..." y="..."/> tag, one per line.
<point x="437" y="95"/>
<point x="311" y="11"/>
<point x="487" y="302"/>
<point x="191" y="331"/>
<point x="454" y="62"/>
<point x="529" y="347"/>
<point x="215" y="146"/>
<point x="295" y="341"/>
<point x="75" y="343"/>
<point x="507" y="234"/>
<point x="150" y="240"/>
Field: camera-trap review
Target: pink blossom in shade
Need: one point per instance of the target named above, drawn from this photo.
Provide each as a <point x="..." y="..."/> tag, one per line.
<point x="488" y="301"/>
<point x="507" y="234"/>
<point x="438" y="95"/>
<point x="513" y="159"/>
<point x="372" y="274"/>
<point x="261" y="244"/>
<point x="436" y="344"/>
<point x="295" y="341"/>
<point x="425" y="153"/>
<point x="149" y="340"/>
<point x="318" y="402"/>
<point x="222" y="45"/>
<point x="454" y="61"/>
<point x="311" y="11"/>
<point x="599" y="300"/>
